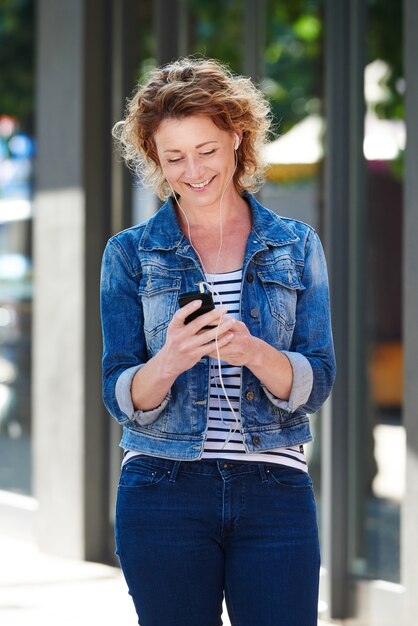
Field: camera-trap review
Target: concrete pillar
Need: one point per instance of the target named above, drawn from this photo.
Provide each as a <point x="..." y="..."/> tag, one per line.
<point x="171" y="30"/>
<point x="345" y="243"/>
<point x="254" y="38"/>
<point x="409" y="544"/>
<point x="72" y="204"/>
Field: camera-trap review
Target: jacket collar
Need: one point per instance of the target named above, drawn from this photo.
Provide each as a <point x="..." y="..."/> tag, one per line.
<point x="268" y="226"/>
<point x="163" y="232"/>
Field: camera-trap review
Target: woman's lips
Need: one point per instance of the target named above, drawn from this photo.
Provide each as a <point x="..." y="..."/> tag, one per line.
<point x="200" y="186"/>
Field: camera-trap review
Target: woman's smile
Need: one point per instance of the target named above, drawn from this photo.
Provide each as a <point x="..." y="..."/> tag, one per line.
<point x="201" y="186"/>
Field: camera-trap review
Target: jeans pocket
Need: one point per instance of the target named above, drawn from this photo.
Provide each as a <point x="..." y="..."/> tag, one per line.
<point x="290" y="478"/>
<point x="136" y="474"/>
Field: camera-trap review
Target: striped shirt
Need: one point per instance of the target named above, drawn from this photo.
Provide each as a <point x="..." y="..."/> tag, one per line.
<point x="224" y="439"/>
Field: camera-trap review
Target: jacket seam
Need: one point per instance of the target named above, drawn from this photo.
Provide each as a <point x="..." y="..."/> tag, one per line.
<point x="122" y="255"/>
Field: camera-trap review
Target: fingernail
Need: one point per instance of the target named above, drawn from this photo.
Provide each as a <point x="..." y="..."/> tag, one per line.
<point x="196" y="303"/>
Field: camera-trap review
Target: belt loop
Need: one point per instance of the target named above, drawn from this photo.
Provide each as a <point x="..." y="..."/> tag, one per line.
<point x="173" y="472"/>
<point x="263" y="474"/>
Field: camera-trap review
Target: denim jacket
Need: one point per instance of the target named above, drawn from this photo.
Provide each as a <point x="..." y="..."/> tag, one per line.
<point x="284" y="301"/>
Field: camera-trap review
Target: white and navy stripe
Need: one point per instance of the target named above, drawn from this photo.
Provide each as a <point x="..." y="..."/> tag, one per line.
<point x="224" y="425"/>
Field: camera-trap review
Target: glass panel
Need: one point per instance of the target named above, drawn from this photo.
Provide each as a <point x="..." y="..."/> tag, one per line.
<point x="17" y="26"/>
<point x="381" y="452"/>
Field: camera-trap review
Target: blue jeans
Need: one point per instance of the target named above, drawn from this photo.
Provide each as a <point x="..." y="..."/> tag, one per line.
<point x="186" y="532"/>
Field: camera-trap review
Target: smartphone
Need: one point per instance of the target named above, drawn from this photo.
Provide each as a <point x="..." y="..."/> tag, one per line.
<point x="207" y="304"/>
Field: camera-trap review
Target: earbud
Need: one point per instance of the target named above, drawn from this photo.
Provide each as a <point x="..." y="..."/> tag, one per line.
<point x="237" y="141"/>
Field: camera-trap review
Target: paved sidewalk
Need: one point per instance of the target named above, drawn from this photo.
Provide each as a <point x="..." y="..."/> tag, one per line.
<point x="42" y="590"/>
<point x="38" y="589"/>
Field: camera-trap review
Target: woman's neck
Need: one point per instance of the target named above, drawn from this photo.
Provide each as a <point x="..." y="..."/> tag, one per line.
<point x="220" y="250"/>
<point x="208" y="219"/>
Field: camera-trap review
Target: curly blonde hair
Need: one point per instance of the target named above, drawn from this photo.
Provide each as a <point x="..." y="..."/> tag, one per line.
<point x="191" y="86"/>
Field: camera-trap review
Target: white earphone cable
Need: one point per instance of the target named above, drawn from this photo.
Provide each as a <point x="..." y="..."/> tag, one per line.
<point x="211" y="287"/>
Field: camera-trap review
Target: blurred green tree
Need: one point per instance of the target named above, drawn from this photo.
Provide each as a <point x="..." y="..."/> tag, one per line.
<point x="217" y="30"/>
<point x="17" y="60"/>
<point x="385" y="43"/>
<point x="293" y="55"/>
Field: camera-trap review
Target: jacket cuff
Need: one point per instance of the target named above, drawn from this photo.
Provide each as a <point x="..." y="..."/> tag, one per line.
<point x="124" y="399"/>
<point x="302" y="383"/>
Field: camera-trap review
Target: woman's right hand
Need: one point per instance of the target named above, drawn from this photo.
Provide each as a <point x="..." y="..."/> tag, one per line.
<point x="186" y="344"/>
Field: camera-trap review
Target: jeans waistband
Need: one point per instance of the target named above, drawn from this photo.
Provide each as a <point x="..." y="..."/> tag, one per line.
<point x="207" y="467"/>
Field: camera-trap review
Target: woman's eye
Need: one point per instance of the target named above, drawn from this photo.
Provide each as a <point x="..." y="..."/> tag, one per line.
<point x="174" y="160"/>
<point x="209" y="152"/>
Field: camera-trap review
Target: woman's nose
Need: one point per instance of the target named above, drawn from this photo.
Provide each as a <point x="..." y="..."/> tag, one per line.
<point x="192" y="169"/>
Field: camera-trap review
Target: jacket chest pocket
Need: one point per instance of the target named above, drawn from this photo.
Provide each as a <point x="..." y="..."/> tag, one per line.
<point x="281" y="285"/>
<point x="159" y="297"/>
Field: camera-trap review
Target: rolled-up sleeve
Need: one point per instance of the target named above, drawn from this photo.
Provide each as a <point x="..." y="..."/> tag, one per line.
<point x="124" y="399"/>
<point x="301" y="384"/>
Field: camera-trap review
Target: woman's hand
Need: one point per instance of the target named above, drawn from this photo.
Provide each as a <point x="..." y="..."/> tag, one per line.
<point x="186" y="344"/>
<point x="241" y="347"/>
<point x="270" y="366"/>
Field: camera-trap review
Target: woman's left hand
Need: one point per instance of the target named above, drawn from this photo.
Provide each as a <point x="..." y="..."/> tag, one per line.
<point x="241" y="349"/>
<point x="272" y="368"/>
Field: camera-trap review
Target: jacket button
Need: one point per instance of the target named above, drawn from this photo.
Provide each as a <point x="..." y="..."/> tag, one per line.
<point x="256" y="440"/>
<point x="250" y="395"/>
<point x="250" y="278"/>
<point x="254" y="313"/>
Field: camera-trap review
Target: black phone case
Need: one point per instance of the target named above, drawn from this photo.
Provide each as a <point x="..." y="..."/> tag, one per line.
<point x="207" y="303"/>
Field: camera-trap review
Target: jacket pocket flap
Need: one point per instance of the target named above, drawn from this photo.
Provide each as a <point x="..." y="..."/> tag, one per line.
<point x="285" y="276"/>
<point x="152" y="284"/>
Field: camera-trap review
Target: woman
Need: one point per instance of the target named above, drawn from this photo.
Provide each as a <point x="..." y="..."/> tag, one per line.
<point x="214" y="495"/>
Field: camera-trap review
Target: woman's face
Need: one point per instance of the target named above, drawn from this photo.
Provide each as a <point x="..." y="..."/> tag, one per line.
<point x="197" y="159"/>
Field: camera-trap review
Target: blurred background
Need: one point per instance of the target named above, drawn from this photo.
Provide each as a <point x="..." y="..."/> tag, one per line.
<point x="335" y="72"/>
